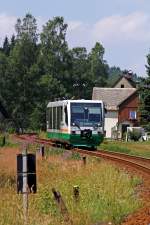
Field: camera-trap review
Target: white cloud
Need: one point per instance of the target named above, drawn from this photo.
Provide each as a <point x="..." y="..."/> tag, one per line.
<point x="112" y="29"/>
<point x="126" y="39"/>
<point x="7" y="24"/>
<point x="127" y="34"/>
<point x="72" y="25"/>
<point x="134" y="26"/>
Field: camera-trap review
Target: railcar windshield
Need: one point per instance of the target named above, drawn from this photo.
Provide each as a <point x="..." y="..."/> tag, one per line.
<point x="86" y="114"/>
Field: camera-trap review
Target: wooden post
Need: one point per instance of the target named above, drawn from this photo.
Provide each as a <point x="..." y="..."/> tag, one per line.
<point x="42" y="150"/>
<point x="76" y="193"/>
<point x="62" y="206"/>
<point x="25" y="185"/>
<point x="4" y="141"/>
<point x="84" y="160"/>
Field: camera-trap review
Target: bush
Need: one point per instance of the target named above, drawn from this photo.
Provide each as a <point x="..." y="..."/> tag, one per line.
<point x="135" y="135"/>
<point x="2" y="140"/>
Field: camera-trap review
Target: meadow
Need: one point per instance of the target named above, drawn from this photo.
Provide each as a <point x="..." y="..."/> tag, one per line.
<point x="106" y="193"/>
<point x="132" y="147"/>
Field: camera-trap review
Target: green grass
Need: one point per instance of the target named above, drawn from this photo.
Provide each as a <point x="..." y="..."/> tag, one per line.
<point x="2" y="140"/>
<point x="8" y="141"/>
<point x="115" y="148"/>
<point x="132" y="148"/>
<point x="106" y="193"/>
<point x="6" y="180"/>
<point x="102" y="195"/>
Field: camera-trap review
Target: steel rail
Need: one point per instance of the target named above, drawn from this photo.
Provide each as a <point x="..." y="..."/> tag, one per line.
<point x="113" y="156"/>
<point x="134" y="157"/>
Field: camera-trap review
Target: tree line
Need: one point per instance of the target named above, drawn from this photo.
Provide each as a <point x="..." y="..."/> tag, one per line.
<point x="38" y="68"/>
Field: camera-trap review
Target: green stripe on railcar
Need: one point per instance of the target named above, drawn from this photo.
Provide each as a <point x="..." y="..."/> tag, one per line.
<point x="76" y="139"/>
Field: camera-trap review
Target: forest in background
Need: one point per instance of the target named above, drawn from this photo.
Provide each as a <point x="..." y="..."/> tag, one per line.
<point x="38" y="68"/>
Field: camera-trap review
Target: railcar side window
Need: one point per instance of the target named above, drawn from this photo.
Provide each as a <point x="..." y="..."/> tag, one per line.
<point x="47" y="117"/>
<point x="54" y="118"/>
<point x="66" y="115"/>
<point x="59" y="116"/>
<point x="50" y="118"/>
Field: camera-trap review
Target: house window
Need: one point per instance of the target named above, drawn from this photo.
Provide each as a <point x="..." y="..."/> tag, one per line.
<point x="122" y="85"/>
<point x="132" y="115"/>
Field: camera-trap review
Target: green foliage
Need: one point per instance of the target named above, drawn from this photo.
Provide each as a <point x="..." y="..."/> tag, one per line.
<point x="79" y="80"/>
<point x="144" y="90"/>
<point x="11" y="130"/>
<point x="54" y="151"/>
<point x="45" y="203"/>
<point x="2" y="140"/>
<point x="75" y="156"/>
<point x="34" y="72"/>
<point x="101" y="198"/>
<point x="115" y="148"/>
<point x="114" y="74"/>
<point x="98" y="66"/>
<point x="6" y="46"/>
<point x="27" y="28"/>
<point x="135" y="135"/>
<point x="18" y="87"/>
<point x="131" y="148"/>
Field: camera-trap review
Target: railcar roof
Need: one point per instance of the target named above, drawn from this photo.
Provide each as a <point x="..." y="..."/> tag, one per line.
<point x="58" y="103"/>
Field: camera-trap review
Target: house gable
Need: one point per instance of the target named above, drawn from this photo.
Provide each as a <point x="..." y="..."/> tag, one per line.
<point x="128" y="107"/>
<point x="124" y="82"/>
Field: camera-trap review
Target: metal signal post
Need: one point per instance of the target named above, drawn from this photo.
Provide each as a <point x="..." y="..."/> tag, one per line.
<point x="25" y="185"/>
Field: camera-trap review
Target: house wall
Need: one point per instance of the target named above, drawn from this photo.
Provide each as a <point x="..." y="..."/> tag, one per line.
<point x="111" y="119"/>
<point x="131" y="104"/>
<point x="124" y="82"/>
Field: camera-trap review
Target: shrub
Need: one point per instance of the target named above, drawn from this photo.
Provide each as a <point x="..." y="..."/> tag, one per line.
<point x="135" y="135"/>
<point x="2" y="140"/>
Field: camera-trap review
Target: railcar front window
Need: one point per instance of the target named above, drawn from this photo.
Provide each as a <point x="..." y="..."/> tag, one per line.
<point x="86" y="114"/>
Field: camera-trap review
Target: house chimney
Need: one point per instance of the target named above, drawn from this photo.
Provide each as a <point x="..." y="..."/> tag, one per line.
<point x="128" y="74"/>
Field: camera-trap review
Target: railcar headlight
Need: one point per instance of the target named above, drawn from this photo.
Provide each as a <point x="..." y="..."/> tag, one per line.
<point x="97" y="125"/>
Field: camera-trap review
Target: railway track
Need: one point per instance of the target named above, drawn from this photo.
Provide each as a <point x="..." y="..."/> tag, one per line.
<point x="135" y="162"/>
<point x="140" y="163"/>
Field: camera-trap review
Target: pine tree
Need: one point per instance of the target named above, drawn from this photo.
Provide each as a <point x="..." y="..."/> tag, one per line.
<point x="21" y="74"/>
<point x="144" y="89"/>
<point x="6" y="46"/>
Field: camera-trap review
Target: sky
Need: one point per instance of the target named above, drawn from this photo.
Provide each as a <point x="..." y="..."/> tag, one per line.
<point x="121" y="26"/>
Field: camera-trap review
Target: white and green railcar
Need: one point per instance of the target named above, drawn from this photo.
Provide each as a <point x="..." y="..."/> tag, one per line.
<point x="77" y="122"/>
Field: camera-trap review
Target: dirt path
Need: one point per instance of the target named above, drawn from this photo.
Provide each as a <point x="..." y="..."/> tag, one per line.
<point x="8" y="159"/>
<point x="142" y="216"/>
